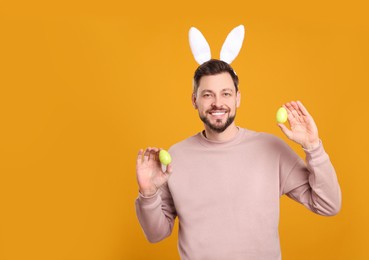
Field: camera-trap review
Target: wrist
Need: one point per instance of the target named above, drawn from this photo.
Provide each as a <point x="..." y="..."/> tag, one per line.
<point x="311" y="146"/>
<point x="148" y="193"/>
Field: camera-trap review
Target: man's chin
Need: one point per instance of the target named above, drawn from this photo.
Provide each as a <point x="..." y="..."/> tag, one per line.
<point x="218" y="127"/>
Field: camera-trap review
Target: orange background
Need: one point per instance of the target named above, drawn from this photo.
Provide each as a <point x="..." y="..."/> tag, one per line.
<point x="85" y="85"/>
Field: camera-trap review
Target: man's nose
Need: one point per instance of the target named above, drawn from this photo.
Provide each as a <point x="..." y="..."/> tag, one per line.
<point x="217" y="102"/>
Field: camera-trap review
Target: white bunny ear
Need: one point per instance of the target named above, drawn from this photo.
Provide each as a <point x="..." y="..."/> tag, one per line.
<point x="199" y="46"/>
<point x="232" y="45"/>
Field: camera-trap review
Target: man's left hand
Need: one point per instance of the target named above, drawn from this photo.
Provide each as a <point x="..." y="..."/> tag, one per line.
<point x="303" y="128"/>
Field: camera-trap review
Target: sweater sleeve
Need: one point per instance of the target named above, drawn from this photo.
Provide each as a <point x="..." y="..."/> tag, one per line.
<point x="156" y="214"/>
<point x="315" y="183"/>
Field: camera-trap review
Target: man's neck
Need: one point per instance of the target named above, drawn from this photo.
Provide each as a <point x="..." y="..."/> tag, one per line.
<point x="226" y="135"/>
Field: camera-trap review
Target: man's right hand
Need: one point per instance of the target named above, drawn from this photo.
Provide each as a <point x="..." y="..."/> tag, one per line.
<point x="150" y="176"/>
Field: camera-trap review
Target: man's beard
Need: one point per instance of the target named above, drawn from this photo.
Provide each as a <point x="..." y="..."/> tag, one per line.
<point x="218" y="128"/>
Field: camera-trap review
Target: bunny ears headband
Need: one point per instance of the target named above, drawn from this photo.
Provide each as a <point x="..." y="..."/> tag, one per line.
<point x="230" y="49"/>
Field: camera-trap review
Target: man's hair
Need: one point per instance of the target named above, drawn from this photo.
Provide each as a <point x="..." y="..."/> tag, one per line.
<point x="213" y="67"/>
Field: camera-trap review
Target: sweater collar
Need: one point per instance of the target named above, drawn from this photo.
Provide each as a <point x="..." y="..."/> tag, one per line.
<point x="213" y="143"/>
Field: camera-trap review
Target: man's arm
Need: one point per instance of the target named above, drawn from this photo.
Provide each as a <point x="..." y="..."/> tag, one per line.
<point x="156" y="214"/>
<point x="315" y="184"/>
<point x="154" y="205"/>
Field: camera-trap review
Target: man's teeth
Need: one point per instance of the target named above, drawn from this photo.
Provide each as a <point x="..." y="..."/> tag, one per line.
<point x="217" y="113"/>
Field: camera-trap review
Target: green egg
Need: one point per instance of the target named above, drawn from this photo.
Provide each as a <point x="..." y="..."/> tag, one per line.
<point x="164" y="157"/>
<point x="281" y="115"/>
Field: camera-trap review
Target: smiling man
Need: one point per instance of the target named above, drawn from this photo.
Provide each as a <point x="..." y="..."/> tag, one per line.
<point x="216" y="97"/>
<point x="224" y="183"/>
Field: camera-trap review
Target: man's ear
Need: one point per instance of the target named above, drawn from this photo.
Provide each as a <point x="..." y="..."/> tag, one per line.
<point x="238" y="101"/>
<point x="194" y="100"/>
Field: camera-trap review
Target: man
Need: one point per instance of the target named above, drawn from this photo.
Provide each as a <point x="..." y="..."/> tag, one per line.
<point x="227" y="180"/>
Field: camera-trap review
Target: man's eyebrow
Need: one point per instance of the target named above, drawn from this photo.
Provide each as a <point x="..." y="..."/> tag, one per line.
<point x="227" y="89"/>
<point x="206" y="90"/>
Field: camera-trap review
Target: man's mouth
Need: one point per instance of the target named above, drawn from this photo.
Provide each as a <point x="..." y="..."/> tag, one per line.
<point x="217" y="112"/>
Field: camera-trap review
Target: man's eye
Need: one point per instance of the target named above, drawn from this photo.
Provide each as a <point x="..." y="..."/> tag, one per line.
<point x="227" y="94"/>
<point x="206" y="95"/>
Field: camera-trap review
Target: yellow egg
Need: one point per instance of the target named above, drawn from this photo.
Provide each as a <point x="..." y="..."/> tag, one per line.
<point x="164" y="157"/>
<point x="281" y="115"/>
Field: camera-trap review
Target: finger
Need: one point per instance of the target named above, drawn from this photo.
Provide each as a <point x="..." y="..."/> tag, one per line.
<point x="152" y="155"/>
<point x="288" y="107"/>
<point x="296" y="108"/>
<point x="159" y="149"/>
<point x="285" y="130"/>
<point x="146" y="154"/>
<point x="296" y="115"/>
<point x="156" y="153"/>
<point x="139" y="156"/>
<point x="291" y="113"/>
<point x="303" y="109"/>
<point x="169" y="169"/>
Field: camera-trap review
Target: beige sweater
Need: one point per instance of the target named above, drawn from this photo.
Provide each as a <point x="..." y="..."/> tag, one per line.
<point x="226" y="195"/>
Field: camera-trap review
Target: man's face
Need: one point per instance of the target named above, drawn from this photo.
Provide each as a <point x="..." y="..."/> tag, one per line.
<point x="217" y="101"/>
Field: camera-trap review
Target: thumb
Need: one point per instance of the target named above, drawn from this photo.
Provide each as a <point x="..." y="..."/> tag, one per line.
<point x="169" y="169"/>
<point x="167" y="173"/>
<point x="285" y="130"/>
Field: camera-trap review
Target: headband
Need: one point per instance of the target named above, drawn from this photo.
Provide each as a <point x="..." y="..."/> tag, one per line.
<point x="230" y="49"/>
